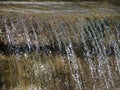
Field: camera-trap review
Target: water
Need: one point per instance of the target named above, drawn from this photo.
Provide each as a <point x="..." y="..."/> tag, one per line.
<point x="59" y="52"/>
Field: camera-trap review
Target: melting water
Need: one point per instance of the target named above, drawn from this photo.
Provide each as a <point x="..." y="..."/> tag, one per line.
<point x="60" y="53"/>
